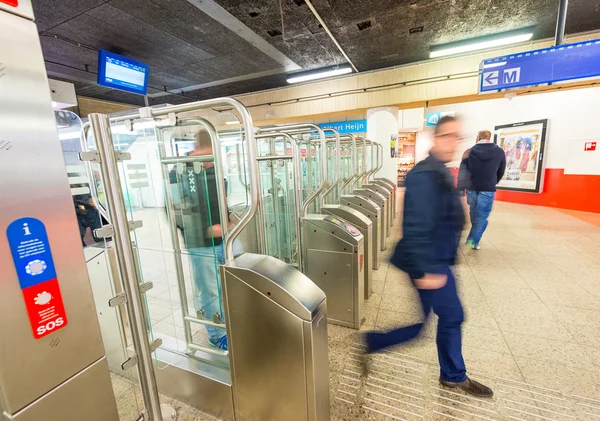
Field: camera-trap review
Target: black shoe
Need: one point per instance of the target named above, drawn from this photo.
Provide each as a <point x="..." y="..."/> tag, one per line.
<point x="471" y="387"/>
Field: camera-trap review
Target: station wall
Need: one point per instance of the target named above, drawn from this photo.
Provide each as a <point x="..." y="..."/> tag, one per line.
<point x="572" y="175"/>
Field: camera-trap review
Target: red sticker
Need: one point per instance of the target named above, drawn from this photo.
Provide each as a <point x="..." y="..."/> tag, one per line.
<point x="590" y="146"/>
<point x="13" y="3"/>
<point x="45" y="308"/>
<point x="35" y="269"/>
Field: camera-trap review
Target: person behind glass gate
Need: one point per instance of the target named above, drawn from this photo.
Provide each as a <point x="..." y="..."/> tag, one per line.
<point x="432" y="225"/>
<point x="203" y="234"/>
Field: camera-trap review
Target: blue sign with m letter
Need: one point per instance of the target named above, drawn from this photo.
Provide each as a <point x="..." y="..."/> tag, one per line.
<point x="548" y="65"/>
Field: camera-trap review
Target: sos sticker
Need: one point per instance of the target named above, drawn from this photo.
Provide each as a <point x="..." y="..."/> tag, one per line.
<point x="33" y="262"/>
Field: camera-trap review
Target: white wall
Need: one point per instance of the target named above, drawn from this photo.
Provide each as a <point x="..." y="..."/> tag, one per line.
<point x="573" y="117"/>
<point x="382" y="123"/>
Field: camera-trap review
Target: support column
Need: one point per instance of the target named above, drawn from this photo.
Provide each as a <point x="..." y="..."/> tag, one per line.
<point x="382" y="123"/>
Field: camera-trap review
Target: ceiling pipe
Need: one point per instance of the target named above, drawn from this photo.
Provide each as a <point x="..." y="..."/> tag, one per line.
<point x="314" y="11"/>
<point x="561" y="22"/>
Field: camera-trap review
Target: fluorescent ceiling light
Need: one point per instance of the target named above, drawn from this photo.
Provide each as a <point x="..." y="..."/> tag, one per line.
<point x="320" y="74"/>
<point x="482" y="43"/>
<point x="231" y="123"/>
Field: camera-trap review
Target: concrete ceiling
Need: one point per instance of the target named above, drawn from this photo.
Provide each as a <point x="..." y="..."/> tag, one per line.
<point x="199" y="49"/>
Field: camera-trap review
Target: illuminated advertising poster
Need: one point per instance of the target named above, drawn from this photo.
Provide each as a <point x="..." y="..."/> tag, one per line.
<point x="523" y="145"/>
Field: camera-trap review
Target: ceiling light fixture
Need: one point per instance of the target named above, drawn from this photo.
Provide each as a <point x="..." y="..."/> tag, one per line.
<point x="231" y="123"/>
<point x="319" y="74"/>
<point x="481" y="43"/>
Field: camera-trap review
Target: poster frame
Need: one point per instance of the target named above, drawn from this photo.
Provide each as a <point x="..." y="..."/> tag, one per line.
<point x="540" y="167"/>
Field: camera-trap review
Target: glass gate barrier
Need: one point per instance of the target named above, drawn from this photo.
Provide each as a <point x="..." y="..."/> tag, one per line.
<point x="170" y="186"/>
<point x="90" y="209"/>
<point x="279" y="205"/>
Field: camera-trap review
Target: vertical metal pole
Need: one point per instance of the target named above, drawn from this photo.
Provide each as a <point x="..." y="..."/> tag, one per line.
<point x="100" y="126"/>
<point x="561" y="22"/>
<point x="187" y="329"/>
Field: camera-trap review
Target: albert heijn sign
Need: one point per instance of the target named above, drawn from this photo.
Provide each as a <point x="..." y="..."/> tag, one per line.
<point x="345" y="127"/>
<point x="548" y="65"/>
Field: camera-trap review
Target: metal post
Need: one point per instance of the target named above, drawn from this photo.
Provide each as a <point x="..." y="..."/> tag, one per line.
<point x="175" y="241"/>
<point x="100" y="126"/>
<point x="561" y="22"/>
<point x="336" y="181"/>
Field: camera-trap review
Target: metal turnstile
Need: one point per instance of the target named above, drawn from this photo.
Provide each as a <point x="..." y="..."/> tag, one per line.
<point x="333" y="251"/>
<point x="385" y="183"/>
<point x="365" y="226"/>
<point x="380" y="201"/>
<point x="52" y="361"/>
<point x="387" y="194"/>
<point x="373" y="212"/>
<point x="277" y="333"/>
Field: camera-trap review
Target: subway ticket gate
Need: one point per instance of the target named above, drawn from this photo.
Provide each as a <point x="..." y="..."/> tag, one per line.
<point x="380" y="201"/>
<point x="385" y="183"/>
<point x="387" y="193"/>
<point x="372" y="211"/>
<point x="52" y="361"/>
<point x="333" y="251"/>
<point x="365" y="226"/>
<point x="277" y="333"/>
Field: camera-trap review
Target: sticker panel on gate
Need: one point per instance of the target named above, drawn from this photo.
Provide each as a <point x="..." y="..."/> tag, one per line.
<point x="36" y="273"/>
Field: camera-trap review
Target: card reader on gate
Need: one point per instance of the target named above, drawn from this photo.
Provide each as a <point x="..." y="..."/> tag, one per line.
<point x="349" y="228"/>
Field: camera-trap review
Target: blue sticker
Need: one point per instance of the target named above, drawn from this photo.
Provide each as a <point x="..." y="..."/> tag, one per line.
<point x="30" y="250"/>
<point x="432" y="119"/>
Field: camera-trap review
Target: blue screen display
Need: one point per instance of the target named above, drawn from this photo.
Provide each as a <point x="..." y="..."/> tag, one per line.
<point x="125" y="74"/>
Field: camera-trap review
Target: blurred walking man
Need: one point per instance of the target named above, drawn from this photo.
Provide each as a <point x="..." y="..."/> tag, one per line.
<point x="433" y="221"/>
<point x="485" y="162"/>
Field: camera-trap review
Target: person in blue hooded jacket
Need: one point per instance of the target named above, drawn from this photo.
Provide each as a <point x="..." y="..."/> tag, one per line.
<point x="485" y="164"/>
<point x="432" y="225"/>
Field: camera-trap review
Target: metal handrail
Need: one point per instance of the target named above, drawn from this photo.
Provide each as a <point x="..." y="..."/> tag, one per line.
<point x="252" y="153"/>
<point x="373" y="156"/>
<point x="296" y="183"/>
<point x="88" y="166"/>
<point x="354" y="163"/>
<point x="336" y="181"/>
<point x="215" y="158"/>
<point x="311" y="127"/>
<point x="100" y="125"/>
<point x="364" y="161"/>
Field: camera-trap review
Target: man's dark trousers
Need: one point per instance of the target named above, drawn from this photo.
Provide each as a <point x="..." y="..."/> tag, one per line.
<point x="446" y="304"/>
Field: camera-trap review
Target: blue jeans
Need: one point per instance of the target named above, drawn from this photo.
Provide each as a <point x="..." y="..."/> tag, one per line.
<point x="446" y="304"/>
<point x="480" y="205"/>
<point x="205" y="264"/>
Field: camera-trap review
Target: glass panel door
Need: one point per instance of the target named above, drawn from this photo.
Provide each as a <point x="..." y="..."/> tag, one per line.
<point x="90" y="209"/>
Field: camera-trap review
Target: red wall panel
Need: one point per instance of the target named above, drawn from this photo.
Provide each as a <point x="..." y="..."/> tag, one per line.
<point x="578" y="192"/>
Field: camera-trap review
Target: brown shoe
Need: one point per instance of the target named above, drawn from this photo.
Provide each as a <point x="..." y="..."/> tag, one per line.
<point x="471" y="387"/>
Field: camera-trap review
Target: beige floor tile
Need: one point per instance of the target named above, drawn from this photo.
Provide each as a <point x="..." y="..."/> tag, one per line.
<point x="491" y="363"/>
<point x="374" y="300"/>
<point x="572" y="315"/>
<point x="484" y="338"/>
<point x="585" y="335"/>
<point x="568" y="380"/>
<point x="568" y="353"/>
<point x="404" y="304"/>
<point x="533" y="325"/>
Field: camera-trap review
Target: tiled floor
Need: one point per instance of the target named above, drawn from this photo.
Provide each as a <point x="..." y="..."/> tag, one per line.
<point x="532" y="332"/>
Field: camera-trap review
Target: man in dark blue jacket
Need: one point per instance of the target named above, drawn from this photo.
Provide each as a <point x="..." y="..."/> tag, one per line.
<point x="433" y="221"/>
<point x="485" y="163"/>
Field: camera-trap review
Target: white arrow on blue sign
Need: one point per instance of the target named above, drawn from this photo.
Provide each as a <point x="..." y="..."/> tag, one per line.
<point x="490" y="78"/>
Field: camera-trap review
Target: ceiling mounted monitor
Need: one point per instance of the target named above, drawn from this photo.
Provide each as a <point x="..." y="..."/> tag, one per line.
<point x="481" y="43"/>
<point x="122" y="73"/>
